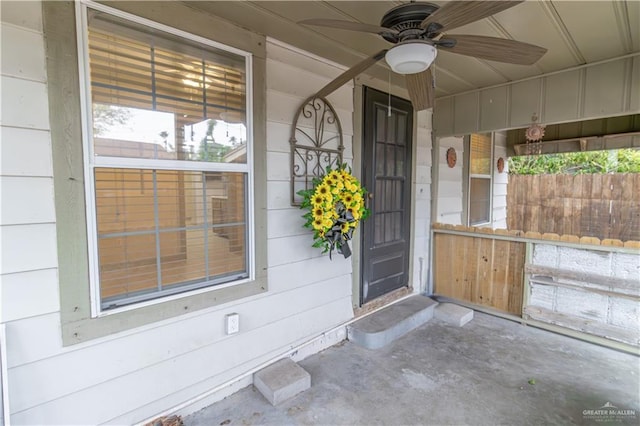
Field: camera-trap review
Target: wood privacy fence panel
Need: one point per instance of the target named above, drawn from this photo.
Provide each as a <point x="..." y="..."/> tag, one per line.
<point x="480" y="270"/>
<point x="602" y="206"/>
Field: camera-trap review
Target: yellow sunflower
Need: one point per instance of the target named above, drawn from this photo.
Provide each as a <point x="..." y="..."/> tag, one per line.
<point x="318" y="211"/>
<point x="317" y="199"/>
<point x="323" y="189"/>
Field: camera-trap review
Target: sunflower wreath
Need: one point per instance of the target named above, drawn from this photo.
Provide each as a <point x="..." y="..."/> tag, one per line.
<point x="335" y="206"/>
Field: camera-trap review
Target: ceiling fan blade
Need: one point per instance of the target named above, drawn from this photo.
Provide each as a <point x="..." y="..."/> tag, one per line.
<point x="421" y="90"/>
<point x="455" y="14"/>
<point x="496" y="49"/>
<point x="348" y="25"/>
<point x="350" y="73"/>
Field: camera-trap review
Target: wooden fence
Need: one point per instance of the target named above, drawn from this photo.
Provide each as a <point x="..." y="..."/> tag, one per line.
<point x="479" y="269"/>
<point x="601" y="206"/>
<point x="581" y="286"/>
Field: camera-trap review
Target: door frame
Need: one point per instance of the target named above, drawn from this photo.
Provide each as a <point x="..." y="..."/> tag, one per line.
<point x="416" y="284"/>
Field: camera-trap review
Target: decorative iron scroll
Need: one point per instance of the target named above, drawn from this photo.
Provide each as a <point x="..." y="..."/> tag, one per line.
<point x="316" y="142"/>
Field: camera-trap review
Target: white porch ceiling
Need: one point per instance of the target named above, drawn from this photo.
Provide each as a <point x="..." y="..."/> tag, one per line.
<point x="574" y="32"/>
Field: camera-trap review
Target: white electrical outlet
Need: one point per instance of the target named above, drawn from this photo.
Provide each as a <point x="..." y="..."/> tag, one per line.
<point x="233" y="323"/>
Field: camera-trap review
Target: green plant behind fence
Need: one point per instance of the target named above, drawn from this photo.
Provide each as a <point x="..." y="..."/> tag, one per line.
<point x="591" y="162"/>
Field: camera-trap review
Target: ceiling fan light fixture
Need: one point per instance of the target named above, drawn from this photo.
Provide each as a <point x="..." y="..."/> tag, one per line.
<point x="411" y="58"/>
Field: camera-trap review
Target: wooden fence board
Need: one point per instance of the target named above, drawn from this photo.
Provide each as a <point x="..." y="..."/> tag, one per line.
<point x="480" y="270"/>
<point x="601" y="206"/>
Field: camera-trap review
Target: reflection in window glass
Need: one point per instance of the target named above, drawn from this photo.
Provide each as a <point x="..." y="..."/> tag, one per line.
<point x="157" y="96"/>
<point x="176" y="219"/>
<point x="163" y="228"/>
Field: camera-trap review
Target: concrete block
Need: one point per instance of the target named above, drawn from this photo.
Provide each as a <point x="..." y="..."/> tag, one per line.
<point x="281" y="380"/>
<point x="453" y="314"/>
<point x="587" y="261"/>
<point x="582" y="304"/>
<point x="626" y="265"/>
<point x="543" y="296"/>
<point x="545" y="255"/>
<point x="392" y="322"/>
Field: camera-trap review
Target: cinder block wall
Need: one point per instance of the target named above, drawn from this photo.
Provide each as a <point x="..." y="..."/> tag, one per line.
<point x="597" y="290"/>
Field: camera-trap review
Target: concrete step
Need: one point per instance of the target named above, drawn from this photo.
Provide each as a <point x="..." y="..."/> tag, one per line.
<point x="453" y="314"/>
<point x="388" y="324"/>
<point x="281" y="380"/>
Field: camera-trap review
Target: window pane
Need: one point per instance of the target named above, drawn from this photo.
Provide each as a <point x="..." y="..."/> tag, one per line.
<point x="168" y="230"/>
<point x="158" y="96"/>
<point x="479" y="200"/>
<point x="124" y="201"/>
<point x="127" y="266"/>
<point x="480" y="157"/>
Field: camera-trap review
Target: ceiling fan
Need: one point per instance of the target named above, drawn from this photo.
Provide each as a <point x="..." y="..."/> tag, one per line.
<point x="418" y="30"/>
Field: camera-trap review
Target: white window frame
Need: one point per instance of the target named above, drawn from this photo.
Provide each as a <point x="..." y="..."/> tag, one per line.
<point x="91" y="161"/>
<point x="489" y="177"/>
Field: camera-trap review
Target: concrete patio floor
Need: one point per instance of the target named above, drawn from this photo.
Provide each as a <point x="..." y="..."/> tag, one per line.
<point x="439" y="375"/>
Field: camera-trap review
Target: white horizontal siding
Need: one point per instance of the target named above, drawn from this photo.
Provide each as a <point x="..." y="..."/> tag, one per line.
<point x="28" y="248"/>
<point x="18" y="208"/>
<point x="24" y="103"/>
<point x="286" y="223"/>
<point x="278" y="135"/>
<point x="135" y="374"/>
<point x="99" y="403"/>
<point x="25" y="152"/>
<point x="28" y="294"/>
<point x="500" y="180"/>
<point x="450" y="196"/>
<point x="69" y="372"/>
<point x="23" y="14"/>
<point x="281" y="108"/>
<point x="421" y="200"/>
<point x="22" y="51"/>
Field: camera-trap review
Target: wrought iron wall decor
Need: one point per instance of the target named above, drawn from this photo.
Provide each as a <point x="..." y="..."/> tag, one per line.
<point x="316" y="142"/>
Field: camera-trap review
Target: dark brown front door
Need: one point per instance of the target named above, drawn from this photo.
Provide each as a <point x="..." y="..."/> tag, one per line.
<point x="386" y="173"/>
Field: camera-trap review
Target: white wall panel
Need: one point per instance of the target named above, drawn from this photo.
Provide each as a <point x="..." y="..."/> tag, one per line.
<point x="281" y="108"/>
<point x="26" y="14"/>
<point x="24" y="103"/>
<point x="34" y="338"/>
<point x="28" y="247"/>
<point x="305" y="84"/>
<point x="119" y="357"/>
<point x="466" y="113"/>
<point x="306" y="272"/>
<point x="25" y="152"/>
<point x="525" y="103"/>
<point x="22" y="52"/>
<point x="98" y="403"/>
<point x="278" y="195"/>
<point x="562" y="96"/>
<point x="634" y="102"/>
<point x="493" y="108"/>
<point x="278" y="165"/>
<point x="26" y="200"/>
<point x="443" y="117"/>
<point x="28" y="294"/>
<point x="124" y="376"/>
<point x="605" y="89"/>
<point x="278" y="135"/>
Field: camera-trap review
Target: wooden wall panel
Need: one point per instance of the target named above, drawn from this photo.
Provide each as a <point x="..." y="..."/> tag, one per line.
<point x="480" y="270"/>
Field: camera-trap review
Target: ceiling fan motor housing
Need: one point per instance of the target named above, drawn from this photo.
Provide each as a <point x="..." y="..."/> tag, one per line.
<point x="406" y="19"/>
